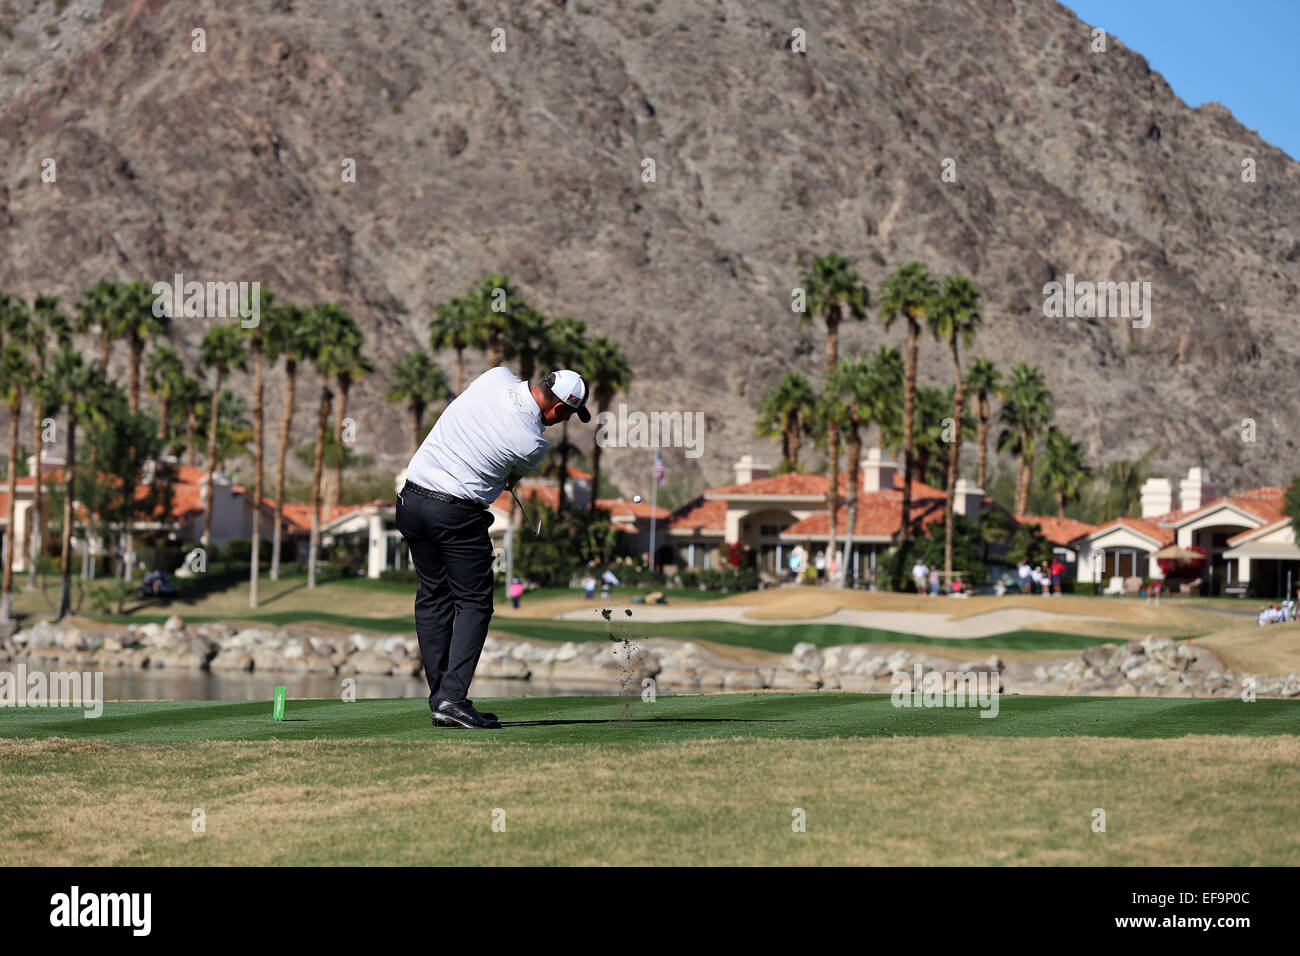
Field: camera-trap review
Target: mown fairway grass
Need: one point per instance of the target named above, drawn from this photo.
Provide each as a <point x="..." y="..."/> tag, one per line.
<point x="707" y="779"/>
<point x="669" y="719"/>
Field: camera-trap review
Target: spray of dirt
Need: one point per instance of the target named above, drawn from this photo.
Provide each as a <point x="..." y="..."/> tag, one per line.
<point x="629" y="658"/>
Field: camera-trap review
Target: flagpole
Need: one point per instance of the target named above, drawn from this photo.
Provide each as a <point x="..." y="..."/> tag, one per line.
<point x="654" y="498"/>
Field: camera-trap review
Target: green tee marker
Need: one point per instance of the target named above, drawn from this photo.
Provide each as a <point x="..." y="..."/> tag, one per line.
<point x="279" y="703"/>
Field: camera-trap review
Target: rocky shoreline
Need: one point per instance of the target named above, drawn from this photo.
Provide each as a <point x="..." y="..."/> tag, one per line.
<point x="1154" y="666"/>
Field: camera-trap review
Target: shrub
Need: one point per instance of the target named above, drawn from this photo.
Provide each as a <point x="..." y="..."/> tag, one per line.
<point x="239" y="549"/>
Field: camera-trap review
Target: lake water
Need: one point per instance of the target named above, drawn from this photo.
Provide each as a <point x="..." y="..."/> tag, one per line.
<point x="144" y="684"/>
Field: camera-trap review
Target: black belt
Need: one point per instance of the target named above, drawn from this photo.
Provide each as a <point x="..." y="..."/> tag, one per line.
<point x="442" y="496"/>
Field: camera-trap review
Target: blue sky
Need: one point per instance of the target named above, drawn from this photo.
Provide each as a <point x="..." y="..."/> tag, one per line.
<point x="1244" y="54"/>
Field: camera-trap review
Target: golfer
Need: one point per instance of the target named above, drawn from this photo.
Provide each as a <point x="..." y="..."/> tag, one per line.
<point x="484" y="441"/>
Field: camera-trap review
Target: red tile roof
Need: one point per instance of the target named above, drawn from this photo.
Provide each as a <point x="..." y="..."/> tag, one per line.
<point x="623" y="509"/>
<point x="1145" y="526"/>
<point x="1264" y="502"/>
<point x="879" y="514"/>
<point x="1058" y="530"/>
<point x="806" y="483"/>
<point x="700" y="515"/>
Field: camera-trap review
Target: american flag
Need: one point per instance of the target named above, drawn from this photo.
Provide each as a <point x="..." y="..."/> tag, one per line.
<point x="659" y="469"/>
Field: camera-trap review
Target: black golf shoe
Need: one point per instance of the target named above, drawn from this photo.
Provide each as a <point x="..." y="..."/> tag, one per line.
<point x="453" y="713"/>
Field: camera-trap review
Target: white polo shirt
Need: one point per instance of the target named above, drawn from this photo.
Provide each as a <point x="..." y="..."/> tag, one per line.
<point x="491" y="430"/>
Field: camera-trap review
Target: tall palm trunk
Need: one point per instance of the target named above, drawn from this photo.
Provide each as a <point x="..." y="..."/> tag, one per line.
<point x="564" y="462"/>
<point x="137" y="349"/>
<point x="417" y="426"/>
<point x="794" y="437"/>
<point x="335" y="499"/>
<point x="855" y="473"/>
<point x="595" y="466"/>
<point x="11" y="542"/>
<point x="460" y="369"/>
<point x="321" y="425"/>
<point x="1024" y="472"/>
<point x="833" y="435"/>
<point x="65" y="550"/>
<point x="164" y="407"/>
<point x="257" y="478"/>
<point x="34" y="529"/>
<point x="191" y="427"/>
<point x="291" y="374"/>
<point x="212" y="464"/>
<point x="496" y="353"/>
<point x="959" y="400"/>
<point x="985" y="414"/>
<point x="909" y="407"/>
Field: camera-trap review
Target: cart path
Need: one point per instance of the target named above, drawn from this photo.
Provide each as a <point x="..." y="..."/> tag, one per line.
<point x="988" y="624"/>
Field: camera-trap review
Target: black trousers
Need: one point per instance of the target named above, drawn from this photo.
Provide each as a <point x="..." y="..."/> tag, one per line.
<point x="452" y="554"/>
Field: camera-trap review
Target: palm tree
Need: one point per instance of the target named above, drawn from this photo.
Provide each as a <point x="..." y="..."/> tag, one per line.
<point x="882" y="406"/>
<point x="234" y="428"/>
<point x="453" y="327"/>
<point x="257" y="346"/>
<point x="286" y="325"/>
<point x="607" y="372"/>
<point x="908" y="293"/>
<point x="984" y="379"/>
<point x="139" y="326"/>
<point x="76" y="386"/>
<point x="784" y="413"/>
<point x="325" y="328"/>
<point x="222" y="350"/>
<point x="528" y="339"/>
<point x="954" y="318"/>
<point x="835" y="292"/>
<point x="849" y="390"/>
<point x="15" y="370"/>
<point x="931" y="449"/>
<point x="495" y="306"/>
<point x="1124" y="480"/>
<point x="349" y="364"/>
<point x="416" y="383"/>
<point x="189" y="395"/>
<point x="100" y="309"/>
<point x="565" y="347"/>
<point x="47" y="319"/>
<point x="165" y="377"/>
<point x="1026" y="411"/>
<point x="1065" y="469"/>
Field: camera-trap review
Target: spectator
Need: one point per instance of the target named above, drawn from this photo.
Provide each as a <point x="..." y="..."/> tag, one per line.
<point x="819" y="563"/>
<point x="1023" y="572"/>
<point x="796" y="563"/>
<point x="588" y="587"/>
<point x="1153" y="592"/>
<point x="934" y="581"/>
<point x="835" y="569"/>
<point x="957" y="586"/>
<point x="1058" y="571"/>
<point x="1036" y="577"/>
<point x="516" y="591"/>
<point x="919" y="574"/>
<point x="1045" y="573"/>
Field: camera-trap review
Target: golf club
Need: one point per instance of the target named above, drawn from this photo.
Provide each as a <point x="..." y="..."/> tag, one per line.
<point x="536" y="530"/>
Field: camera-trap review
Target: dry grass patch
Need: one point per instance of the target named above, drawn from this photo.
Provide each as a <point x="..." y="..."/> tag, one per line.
<point x="950" y="800"/>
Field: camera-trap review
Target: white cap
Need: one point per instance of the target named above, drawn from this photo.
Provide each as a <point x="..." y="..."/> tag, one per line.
<point x="569" y="388"/>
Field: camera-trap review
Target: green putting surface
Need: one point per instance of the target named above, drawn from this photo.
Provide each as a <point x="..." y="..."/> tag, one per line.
<point x="605" y="720"/>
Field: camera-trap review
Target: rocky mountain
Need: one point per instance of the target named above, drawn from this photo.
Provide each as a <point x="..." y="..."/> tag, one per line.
<point x="529" y="159"/>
